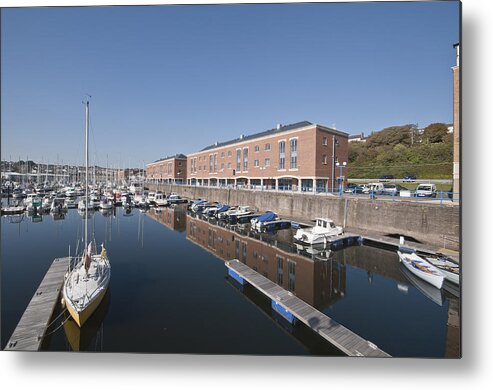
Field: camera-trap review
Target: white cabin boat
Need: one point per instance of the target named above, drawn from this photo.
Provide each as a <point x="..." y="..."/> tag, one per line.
<point x="33" y="202"/>
<point x="323" y="229"/>
<point x="236" y="212"/>
<point x="160" y="199"/>
<point x="58" y="205"/>
<point x="106" y="204"/>
<point x="422" y="269"/>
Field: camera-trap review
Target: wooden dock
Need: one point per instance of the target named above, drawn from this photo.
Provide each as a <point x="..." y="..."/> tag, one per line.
<point x="339" y="336"/>
<point x="29" y="333"/>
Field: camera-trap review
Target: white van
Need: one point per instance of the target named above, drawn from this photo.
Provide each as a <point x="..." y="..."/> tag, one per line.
<point x="428" y="190"/>
<point x="376" y="188"/>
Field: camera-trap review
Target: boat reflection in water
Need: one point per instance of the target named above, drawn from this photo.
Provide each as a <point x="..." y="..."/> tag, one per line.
<point x="89" y="337"/>
<point x="317" y="278"/>
<point x="354" y="285"/>
<point x="82" y="213"/>
<point x="429" y="291"/>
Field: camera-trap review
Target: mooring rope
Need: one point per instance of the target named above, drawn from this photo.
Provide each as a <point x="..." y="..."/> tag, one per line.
<point x="58" y="327"/>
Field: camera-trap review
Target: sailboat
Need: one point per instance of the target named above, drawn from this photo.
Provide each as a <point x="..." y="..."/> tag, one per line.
<point x="86" y="284"/>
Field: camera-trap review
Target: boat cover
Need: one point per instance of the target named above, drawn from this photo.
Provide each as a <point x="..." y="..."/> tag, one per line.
<point x="267" y="217"/>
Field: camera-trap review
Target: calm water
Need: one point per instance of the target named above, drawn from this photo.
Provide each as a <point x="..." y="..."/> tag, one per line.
<point x="170" y="292"/>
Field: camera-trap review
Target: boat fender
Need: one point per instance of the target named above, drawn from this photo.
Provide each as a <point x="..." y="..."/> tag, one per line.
<point x="62" y="301"/>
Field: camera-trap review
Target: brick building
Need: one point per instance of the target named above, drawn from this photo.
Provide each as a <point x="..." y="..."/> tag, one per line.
<point x="300" y="156"/>
<point x="168" y="170"/>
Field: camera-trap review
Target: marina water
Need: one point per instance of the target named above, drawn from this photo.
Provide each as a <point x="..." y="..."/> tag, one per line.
<point x="170" y="292"/>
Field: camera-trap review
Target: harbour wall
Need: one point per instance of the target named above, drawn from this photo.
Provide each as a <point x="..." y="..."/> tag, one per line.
<point x="429" y="223"/>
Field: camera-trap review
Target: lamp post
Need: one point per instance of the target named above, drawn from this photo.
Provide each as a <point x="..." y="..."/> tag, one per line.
<point x="343" y="165"/>
<point x="262" y="180"/>
<point x="335" y="143"/>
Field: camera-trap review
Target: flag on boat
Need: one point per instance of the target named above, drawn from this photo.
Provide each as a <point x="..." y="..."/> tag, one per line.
<point x="87" y="261"/>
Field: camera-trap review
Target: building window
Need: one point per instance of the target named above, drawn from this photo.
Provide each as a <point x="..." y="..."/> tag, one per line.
<point x="291" y="275"/>
<point x="267" y="162"/>
<point x="280" y="270"/>
<point x="257" y="148"/>
<point x="179" y="163"/>
<point x="324" y="141"/>
<point x="222" y="154"/>
<point x="324" y="159"/>
<point x="267" y="147"/>
<point x="282" y="156"/>
<point x="294" y="153"/>
<point x="229" y="153"/>
<point x="245" y="159"/>
<point x="210" y="163"/>
<point x="229" y="165"/>
<point x="255" y="162"/>
<point x="238" y="160"/>
<point x="215" y="162"/>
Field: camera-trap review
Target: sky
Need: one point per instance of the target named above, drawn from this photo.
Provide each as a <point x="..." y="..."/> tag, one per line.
<point x="174" y="79"/>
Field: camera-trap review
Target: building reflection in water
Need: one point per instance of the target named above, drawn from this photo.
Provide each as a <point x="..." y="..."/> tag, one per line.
<point x="319" y="283"/>
<point x="313" y="273"/>
<point x="174" y="218"/>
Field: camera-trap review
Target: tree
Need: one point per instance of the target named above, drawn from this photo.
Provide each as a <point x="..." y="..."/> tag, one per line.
<point x="391" y="136"/>
<point x="435" y="133"/>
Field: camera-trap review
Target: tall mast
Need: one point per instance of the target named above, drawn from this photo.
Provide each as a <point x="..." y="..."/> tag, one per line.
<point x="87" y="168"/>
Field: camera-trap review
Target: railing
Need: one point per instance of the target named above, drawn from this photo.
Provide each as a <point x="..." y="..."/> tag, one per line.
<point x="439" y="197"/>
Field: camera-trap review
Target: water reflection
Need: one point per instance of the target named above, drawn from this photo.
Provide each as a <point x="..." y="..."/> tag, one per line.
<point x="89" y="337"/>
<point x="174" y="218"/>
<point x="361" y="287"/>
<point x="320" y="276"/>
<point x="429" y="291"/>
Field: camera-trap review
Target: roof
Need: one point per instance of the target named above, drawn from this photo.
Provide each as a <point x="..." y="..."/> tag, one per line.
<point x="177" y="156"/>
<point x="261" y="134"/>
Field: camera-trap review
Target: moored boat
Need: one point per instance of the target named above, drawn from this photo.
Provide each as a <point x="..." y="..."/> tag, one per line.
<point x="449" y="268"/>
<point x="86" y="283"/>
<point x="421" y="268"/>
<point x="259" y="222"/>
<point x="323" y="229"/>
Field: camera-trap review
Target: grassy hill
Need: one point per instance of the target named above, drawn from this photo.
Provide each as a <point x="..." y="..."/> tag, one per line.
<point x="403" y="150"/>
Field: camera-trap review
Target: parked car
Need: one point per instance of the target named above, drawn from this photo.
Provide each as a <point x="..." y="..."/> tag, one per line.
<point x="428" y="190"/>
<point x="395" y="189"/>
<point x="386" y="178"/>
<point x="409" y="178"/>
<point x="375" y="188"/>
<point x="351" y="188"/>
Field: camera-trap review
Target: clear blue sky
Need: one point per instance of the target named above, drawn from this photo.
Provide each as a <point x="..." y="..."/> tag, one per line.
<point x="174" y="79"/>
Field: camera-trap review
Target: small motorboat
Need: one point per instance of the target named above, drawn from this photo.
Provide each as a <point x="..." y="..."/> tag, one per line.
<point x="421" y="268"/>
<point x="160" y="199"/>
<point x="198" y="205"/>
<point x="259" y="222"/>
<point x="58" y="205"/>
<point x="106" y="204"/>
<point x="175" y="199"/>
<point x="236" y="212"/>
<point x="324" y="228"/>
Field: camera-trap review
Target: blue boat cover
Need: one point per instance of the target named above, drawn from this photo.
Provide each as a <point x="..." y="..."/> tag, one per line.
<point x="267" y="217"/>
<point x="223" y="208"/>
